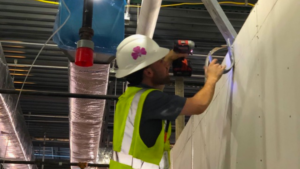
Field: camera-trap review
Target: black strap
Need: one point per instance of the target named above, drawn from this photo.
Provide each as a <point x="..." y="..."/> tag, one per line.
<point x="117" y="156"/>
<point x="167" y="126"/>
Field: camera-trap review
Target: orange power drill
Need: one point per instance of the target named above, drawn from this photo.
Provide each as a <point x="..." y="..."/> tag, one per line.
<point x="181" y="66"/>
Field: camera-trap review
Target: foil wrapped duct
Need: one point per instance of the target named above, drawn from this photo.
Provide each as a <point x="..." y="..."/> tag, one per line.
<point x="15" y="142"/>
<point x="86" y="114"/>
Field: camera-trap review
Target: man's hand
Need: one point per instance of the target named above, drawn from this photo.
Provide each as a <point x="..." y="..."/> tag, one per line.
<point x="171" y="56"/>
<point x="214" y="71"/>
<point x="201" y="100"/>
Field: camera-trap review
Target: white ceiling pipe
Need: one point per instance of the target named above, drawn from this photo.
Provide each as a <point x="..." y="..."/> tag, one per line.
<point x="148" y="17"/>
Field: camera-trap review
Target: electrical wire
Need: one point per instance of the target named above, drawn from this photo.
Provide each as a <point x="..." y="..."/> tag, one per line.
<point x="37" y="56"/>
<point x="169" y="5"/>
<point x="237" y="3"/>
<point x="48" y="2"/>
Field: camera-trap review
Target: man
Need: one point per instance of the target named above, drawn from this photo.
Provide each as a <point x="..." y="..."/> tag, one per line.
<point x="141" y="128"/>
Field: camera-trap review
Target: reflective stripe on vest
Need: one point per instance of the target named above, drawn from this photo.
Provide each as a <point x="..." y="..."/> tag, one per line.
<point x="128" y="133"/>
<point x="123" y="156"/>
<point x="137" y="163"/>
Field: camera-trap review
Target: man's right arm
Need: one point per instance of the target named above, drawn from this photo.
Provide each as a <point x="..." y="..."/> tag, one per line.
<point x="199" y="103"/>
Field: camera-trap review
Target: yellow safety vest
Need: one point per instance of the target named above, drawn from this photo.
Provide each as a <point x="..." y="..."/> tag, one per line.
<point x="130" y="152"/>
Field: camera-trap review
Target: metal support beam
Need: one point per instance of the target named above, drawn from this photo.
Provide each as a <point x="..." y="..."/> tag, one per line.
<point x="180" y="121"/>
<point x="28" y="43"/>
<point x="37" y="66"/>
<point x="45" y="116"/>
<point x="46" y="121"/>
<point x="220" y="19"/>
<point x="58" y="163"/>
<point x="60" y="94"/>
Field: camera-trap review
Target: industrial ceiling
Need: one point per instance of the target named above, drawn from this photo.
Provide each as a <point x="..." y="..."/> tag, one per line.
<point x="26" y="24"/>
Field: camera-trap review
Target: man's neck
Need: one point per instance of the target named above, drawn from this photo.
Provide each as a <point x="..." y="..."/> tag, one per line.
<point x="150" y="84"/>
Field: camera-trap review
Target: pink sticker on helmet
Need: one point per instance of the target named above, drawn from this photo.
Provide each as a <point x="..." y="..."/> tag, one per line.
<point x="138" y="52"/>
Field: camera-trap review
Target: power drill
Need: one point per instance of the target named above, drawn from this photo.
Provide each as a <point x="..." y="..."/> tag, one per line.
<point x="181" y="66"/>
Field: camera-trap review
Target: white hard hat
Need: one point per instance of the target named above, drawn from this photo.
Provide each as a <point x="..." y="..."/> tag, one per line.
<point x="137" y="52"/>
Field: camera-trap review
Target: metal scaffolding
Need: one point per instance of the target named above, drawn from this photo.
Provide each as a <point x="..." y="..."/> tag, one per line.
<point x="60" y="94"/>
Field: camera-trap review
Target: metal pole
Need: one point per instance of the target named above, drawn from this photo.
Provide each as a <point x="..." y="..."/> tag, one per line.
<point x="86" y="32"/>
<point x="54" y="45"/>
<point x="87" y="18"/>
<point x="215" y="56"/>
<point x="127" y="9"/>
<point x="44" y="150"/>
<point x="124" y="88"/>
<point x="180" y="121"/>
<point x="28" y="43"/>
<point x="47" y="116"/>
<point x="220" y="19"/>
<point x="62" y="67"/>
<point x="52" y="152"/>
<point x="58" y="148"/>
<point x="58" y="163"/>
<point x="115" y="103"/>
<point x="198" y="76"/>
<point x="138" y="15"/>
<point x="59" y="94"/>
<point x="46" y="121"/>
<point x="38" y="66"/>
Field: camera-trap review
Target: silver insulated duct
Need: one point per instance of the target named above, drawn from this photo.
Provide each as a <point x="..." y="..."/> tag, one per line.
<point x="15" y="142"/>
<point x="86" y="114"/>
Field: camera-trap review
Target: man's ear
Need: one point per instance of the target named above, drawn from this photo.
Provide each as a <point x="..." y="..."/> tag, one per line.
<point x="148" y="72"/>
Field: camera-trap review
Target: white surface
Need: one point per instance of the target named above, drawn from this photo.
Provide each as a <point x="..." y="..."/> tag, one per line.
<point x="259" y="127"/>
<point x="200" y="134"/>
<point x="148" y="17"/>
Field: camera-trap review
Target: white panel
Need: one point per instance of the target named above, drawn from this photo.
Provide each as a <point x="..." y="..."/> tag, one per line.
<point x="210" y="132"/>
<point x="258" y="127"/>
<point x="199" y="158"/>
<point x="249" y="29"/>
<point x="184" y="137"/>
<point x="263" y="10"/>
<point x="247" y="110"/>
<point x="245" y="37"/>
<point x="279" y="40"/>
<point x="184" y="156"/>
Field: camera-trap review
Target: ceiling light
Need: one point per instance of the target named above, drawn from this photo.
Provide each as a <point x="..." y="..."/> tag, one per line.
<point x="19" y="74"/>
<point x="11" y="56"/>
<point x="11" y="46"/>
<point x="19" y="82"/>
<point x="24" y="90"/>
<point x="13" y="51"/>
<point x="18" y="70"/>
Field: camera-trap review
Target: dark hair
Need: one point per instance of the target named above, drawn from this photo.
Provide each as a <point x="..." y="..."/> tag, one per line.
<point x="135" y="78"/>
